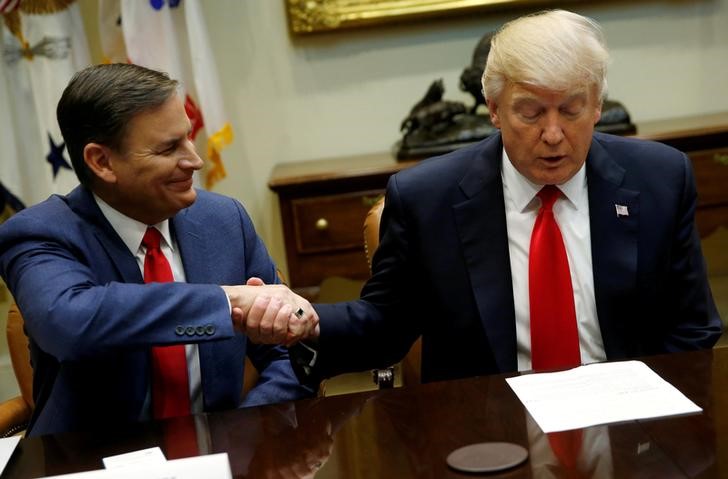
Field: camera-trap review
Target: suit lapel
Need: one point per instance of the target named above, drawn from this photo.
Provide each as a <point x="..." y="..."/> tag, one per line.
<point x="82" y="202"/>
<point x="614" y="247"/>
<point x="199" y="265"/>
<point x="192" y="244"/>
<point x="123" y="268"/>
<point x="481" y="225"/>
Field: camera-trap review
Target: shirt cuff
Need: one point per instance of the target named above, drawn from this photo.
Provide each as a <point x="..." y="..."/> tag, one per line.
<point x="230" y="306"/>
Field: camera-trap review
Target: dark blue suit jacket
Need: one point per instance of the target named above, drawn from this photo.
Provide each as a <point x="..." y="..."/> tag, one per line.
<point x="442" y="269"/>
<point x="92" y="321"/>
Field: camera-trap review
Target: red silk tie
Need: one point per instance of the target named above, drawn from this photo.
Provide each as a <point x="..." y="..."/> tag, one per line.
<point x="170" y="385"/>
<point x="554" y="334"/>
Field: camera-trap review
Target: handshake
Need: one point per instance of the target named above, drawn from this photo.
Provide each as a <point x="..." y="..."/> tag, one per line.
<point x="271" y="313"/>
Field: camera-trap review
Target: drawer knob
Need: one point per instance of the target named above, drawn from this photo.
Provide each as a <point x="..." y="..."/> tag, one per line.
<point x="721" y="158"/>
<point x="322" y="224"/>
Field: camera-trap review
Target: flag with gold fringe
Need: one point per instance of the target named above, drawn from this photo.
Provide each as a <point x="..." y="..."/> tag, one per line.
<point x="43" y="44"/>
<point x="171" y="36"/>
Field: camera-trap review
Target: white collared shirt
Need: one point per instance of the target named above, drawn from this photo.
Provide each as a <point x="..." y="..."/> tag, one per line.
<point x="572" y="215"/>
<point x="131" y="233"/>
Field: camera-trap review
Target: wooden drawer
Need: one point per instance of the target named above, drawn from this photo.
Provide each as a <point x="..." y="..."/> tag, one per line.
<point x="331" y="223"/>
<point x="323" y="204"/>
<point x="711" y="176"/>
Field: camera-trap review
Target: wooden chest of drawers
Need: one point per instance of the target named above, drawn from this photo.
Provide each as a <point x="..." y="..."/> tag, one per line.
<point x="323" y="202"/>
<point x="705" y="140"/>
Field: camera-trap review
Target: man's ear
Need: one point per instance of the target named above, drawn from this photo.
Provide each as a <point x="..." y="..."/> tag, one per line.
<point x="598" y="113"/>
<point x="97" y="158"/>
<point x="493" y="111"/>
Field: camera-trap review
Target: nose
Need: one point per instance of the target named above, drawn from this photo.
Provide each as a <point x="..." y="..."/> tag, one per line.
<point x="190" y="160"/>
<point x="552" y="133"/>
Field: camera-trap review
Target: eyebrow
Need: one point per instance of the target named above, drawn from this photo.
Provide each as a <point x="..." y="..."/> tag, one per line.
<point x="527" y="97"/>
<point x="518" y="101"/>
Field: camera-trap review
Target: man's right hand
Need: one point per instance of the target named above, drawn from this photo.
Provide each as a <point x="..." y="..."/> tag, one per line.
<point x="271" y="314"/>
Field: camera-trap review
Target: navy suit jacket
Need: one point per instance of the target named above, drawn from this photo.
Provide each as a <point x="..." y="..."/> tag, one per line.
<point x="91" y="320"/>
<point x="442" y="269"/>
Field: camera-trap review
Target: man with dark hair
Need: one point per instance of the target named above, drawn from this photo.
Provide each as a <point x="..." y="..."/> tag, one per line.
<point x="119" y="282"/>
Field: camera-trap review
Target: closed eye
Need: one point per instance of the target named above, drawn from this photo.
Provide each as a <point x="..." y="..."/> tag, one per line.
<point x="573" y="108"/>
<point x="572" y="112"/>
<point x="168" y="150"/>
<point x="529" y="111"/>
<point x="170" y="147"/>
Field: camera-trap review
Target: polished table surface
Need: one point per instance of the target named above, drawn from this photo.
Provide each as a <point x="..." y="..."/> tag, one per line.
<point x="409" y="432"/>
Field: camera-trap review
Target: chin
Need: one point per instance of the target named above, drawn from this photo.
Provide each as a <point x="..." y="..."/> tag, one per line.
<point x="547" y="180"/>
<point x="187" y="198"/>
<point x="190" y="198"/>
<point x="553" y="177"/>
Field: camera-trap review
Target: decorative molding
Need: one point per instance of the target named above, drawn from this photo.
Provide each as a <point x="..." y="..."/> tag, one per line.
<point x="310" y="16"/>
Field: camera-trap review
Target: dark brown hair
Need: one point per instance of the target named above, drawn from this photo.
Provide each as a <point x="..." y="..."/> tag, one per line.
<point x="100" y="101"/>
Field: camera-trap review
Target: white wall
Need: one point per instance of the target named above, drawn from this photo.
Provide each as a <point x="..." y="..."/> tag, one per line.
<point x="344" y="93"/>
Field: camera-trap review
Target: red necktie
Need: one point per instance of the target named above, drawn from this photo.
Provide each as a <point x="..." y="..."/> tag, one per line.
<point x="170" y="390"/>
<point x="554" y="335"/>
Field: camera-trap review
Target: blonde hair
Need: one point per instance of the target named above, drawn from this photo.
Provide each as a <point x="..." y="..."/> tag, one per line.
<point x="553" y="49"/>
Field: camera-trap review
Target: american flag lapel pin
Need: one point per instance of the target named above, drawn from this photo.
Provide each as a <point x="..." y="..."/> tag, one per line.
<point x="622" y="210"/>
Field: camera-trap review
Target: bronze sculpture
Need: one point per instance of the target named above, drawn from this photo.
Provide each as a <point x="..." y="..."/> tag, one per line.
<point x="435" y="126"/>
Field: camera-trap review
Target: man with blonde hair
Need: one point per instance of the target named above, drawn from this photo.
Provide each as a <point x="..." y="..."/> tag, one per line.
<point x="545" y="246"/>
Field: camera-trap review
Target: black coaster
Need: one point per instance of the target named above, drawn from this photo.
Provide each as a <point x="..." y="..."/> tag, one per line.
<point x="487" y="457"/>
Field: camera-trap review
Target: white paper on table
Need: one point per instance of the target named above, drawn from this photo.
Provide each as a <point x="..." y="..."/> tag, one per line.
<point x="153" y="455"/>
<point x="213" y="466"/>
<point x="7" y="446"/>
<point x="598" y="394"/>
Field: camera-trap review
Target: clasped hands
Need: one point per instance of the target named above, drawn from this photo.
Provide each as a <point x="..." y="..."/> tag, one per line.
<point x="271" y="313"/>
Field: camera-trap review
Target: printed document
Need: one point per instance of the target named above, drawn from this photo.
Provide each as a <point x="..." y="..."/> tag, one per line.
<point x="599" y="393"/>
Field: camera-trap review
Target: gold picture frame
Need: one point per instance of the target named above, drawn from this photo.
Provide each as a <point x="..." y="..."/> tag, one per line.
<point x="311" y="16"/>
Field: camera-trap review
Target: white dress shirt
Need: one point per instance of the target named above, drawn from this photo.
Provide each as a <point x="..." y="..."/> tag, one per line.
<point x="572" y="215"/>
<point x="131" y="233"/>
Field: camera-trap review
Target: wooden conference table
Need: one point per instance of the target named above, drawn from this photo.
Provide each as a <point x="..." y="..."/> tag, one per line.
<point x="408" y="433"/>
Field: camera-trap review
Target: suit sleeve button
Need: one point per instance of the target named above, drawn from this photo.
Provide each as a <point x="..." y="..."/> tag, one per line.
<point x="190" y="330"/>
<point x="179" y="330"/>
<point x="200" y="330"/>
<point x="210" y="329"/>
